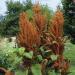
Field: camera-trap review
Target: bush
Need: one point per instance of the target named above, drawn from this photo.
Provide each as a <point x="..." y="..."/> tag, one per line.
<point x="8" y="57"/>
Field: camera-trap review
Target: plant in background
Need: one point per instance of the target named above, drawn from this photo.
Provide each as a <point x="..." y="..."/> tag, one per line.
<point x="28" y="36"/>
<point x="6" y="57"/>
<point x="11" y="58"/>
<point x="69" y="18"/>
<point x="9" y="25"/>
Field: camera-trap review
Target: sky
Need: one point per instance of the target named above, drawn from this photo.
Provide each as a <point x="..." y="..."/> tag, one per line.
<point x="51" y="3"/>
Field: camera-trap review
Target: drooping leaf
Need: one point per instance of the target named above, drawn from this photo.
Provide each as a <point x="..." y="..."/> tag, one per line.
<point x="21" y="50"/>
<point x="29" y="54"/>
<point x="42" y="49"/>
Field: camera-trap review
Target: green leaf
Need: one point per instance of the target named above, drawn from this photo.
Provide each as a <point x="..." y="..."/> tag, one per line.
<point x="29" y="54"/>
<point x="21" y="50"/>
<point x="36" y="69"/>
<point x="42" y="49"/>
<point x="39" y="57"/>
<point x="54" y="57"/>
<point x="26" y="72"/>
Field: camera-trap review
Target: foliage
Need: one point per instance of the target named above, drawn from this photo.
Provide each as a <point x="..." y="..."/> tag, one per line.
<point x="47" y="12"/>
<point x="9" y="25"/>
<point x="39" y="18"/>
<point x="27" y="30"/>
<point x="41" y="41"/>
<point x="56" y="32"/>
<point x="51" y="39"/>
<point x="7" y="61"/>
<point x="6" y="57"/>
<point x="36" y="26"/>
<point x="69" y="53"/>
<point x="28" y="4"/>
<point x="69" y="14"/>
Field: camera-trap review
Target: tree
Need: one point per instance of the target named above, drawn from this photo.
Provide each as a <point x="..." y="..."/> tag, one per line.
<point x="11" y="20"/>
<point x="69" y="14"/>
<point x="9" y="25"/>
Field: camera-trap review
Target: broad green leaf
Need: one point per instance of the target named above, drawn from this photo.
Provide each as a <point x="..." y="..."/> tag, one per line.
<point x="54" y="57"/>
<point x="21" y="50"/>
<point x="29" y="54"/>
<point x="26" y="72"/>
<point x="36" y="69"/>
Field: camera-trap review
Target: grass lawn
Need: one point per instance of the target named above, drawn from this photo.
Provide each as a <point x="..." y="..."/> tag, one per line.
<point x="70" y="54"/>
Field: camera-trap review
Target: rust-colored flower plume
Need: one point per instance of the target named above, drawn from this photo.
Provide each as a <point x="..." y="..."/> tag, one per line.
<point x="40" y="19"/>
<point x="28" y="36"/>
<point x="57" y="23"/>
<point x="56" y="31"/>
